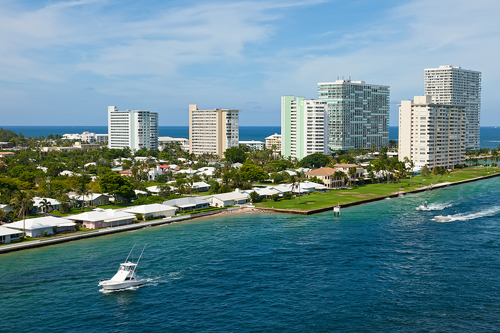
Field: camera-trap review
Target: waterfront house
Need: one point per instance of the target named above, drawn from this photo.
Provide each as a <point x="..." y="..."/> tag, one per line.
<point x="345" y="169"/>
<point x="190" y="203"/>
<point x="229" y="199"/>
<point x="152" y="211"/>
<point x="327" y="176"/>
<point x="36" y="227"/>
<point x="265" y="192"/>
<point x="103" y="218"/>
<point x="8" y="235"/>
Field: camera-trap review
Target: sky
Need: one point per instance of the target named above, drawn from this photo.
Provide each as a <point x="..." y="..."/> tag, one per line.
<point x="64" y="62"/>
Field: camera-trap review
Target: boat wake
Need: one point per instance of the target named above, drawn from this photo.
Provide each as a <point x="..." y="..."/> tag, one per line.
<point x="465" y="217"/>
<point x="435" y="206"/>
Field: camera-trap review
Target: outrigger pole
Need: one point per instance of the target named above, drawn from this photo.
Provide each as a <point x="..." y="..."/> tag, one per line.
<point x="130" y="252"/>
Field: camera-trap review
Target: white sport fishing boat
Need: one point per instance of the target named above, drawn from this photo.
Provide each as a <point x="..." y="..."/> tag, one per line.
<point x="126" y="276"/>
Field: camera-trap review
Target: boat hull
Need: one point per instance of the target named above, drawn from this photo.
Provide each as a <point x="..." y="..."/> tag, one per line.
<point x="116" y="285"/>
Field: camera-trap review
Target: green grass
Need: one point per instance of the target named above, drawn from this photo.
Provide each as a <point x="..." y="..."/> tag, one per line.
<point x="114" y="206"/>
<point x="73" y="211"/>
<point x="370" y="191"/>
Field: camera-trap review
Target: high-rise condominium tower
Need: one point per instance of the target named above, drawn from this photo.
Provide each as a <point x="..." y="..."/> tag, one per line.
<point x="303" y="127"/>
<point x="431" y="133"/>
<point x="132" y="128"/>
<point x="358" y="114"/>
<point x="457" y="86"/>
<point x="212" y="131"/>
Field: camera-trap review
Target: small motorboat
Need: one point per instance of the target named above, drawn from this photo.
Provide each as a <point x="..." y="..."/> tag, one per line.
<point x="441" y="218"/>
<point x="126" y="276"/>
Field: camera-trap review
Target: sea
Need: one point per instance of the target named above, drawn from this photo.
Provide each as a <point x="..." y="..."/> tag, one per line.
<point x="490" y="136"/>
<point x="379" y="267"/>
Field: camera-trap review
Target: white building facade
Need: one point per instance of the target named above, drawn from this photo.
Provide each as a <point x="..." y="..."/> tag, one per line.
<point x="457" y="86"/>
<point x="132" y="128"/>
<point x="358" y="114"/>
<point x="431" y="133"/>
<point x="213" y="131"/>
<point x="303" y="127"/>
<point x="273" y="142"/>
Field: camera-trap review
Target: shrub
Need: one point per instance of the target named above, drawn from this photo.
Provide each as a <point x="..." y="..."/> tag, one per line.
<point x="275" y="197"/>
<point x="264" y="200"/>
<point x="287" y="196"/>
<point x="45" y="233"/>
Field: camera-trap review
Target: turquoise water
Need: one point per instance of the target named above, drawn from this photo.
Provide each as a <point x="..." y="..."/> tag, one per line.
<point x="380" y="267"/>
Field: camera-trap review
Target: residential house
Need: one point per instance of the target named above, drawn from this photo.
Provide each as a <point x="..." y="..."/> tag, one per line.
<point x="91" y="199"/>
<point x="36" y="227"/>
<point x="103" y="218"/>
<point x="8" y="235"/>
<point x="190" y="203"/>
<point x="326" y="175"/>
<point x="229" y="199"/>
<point x="152" y="211"/>
<point x="38" y="206"/>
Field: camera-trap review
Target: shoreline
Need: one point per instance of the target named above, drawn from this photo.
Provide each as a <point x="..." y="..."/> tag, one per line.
<point x="129" y="227"/>
<point x="199" y="216"/>
<point x="360" y="202"/>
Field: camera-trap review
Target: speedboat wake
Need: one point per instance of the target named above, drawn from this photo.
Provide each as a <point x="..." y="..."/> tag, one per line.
<point x="435" y="206"/>
<point x="471" y="216"/>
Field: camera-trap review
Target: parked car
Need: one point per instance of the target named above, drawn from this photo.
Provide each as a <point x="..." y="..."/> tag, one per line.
<point x="7" y="219"/>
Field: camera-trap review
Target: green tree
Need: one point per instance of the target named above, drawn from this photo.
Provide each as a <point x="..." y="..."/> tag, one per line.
<point x="275" y="197"/>
<point x="46" y="206"/>
<point x="235" y="155"/>
<point x="316" y="160"/>
<point x="425" y="171"/>
<point x="252" y="172"/>
<point x="254" y="196"/>
<point x="116" y="185"/>
<point x="23" y="204"/>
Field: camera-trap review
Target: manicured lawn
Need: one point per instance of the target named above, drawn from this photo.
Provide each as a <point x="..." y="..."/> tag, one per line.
<point x="370" y="191"/>
<point x="115" y="206"/>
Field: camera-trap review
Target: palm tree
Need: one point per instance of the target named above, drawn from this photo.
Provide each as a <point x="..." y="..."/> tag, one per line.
<point x="339" y="175"/>
<point x="494" y="156"/>
<point x="46" y="206"/>
<point x="477" y="154"/>
<point x="23" y="201"/>
<point x="352" y="173"/>
<point x="410" y="166"/>
<point x="294" y="186"/>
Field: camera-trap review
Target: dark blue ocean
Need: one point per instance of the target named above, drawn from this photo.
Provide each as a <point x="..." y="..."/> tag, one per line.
<point x="380" y="267"/>
<point x="490" y="136"/>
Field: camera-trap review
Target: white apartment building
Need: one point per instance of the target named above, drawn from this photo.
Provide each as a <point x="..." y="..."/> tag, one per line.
<point x="457" y="86"/>
<point x="87" y="137"/>
<point x="303" y="127"/>
<point x="132" y="128"/>
<point x="253" y="144"/>
<point x="358" y="114"/>
<point x="431" y="133"/>
<point x="212" y="131"/>
<point x="273" y="141"/>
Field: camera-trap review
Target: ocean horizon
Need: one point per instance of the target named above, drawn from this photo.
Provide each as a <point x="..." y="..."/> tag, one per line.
<point x="490" y="135"/>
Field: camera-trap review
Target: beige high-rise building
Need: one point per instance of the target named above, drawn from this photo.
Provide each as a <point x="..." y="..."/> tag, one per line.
<point x="431" y="133"/>
<point x="212" y="131"/>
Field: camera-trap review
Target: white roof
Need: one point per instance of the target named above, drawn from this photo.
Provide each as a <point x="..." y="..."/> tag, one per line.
<point x="6" y="231"/>
<point x="152" y="208"/>
<point x="291" y="173"/>
<point x="88" y="197"/>
<point x="67" y="173"/>
<point x="200" y="184"/>
<point x="106" y="215"/>
<point x="89" y="164"/>
<point x="40" y="223"/>
<point x="37" y="202"/>
<point x="231" y="196"/>
<point x="140" y="192"/>
<point x="153" y="189"/>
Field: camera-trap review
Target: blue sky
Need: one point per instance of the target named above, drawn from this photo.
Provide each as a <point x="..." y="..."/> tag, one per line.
<point x="64" y="62"/>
